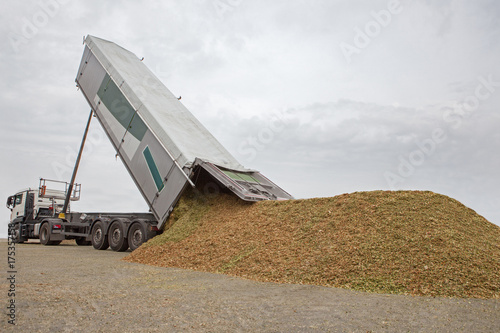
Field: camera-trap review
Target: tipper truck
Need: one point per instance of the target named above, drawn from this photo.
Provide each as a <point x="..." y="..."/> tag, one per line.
<point x="163" y="146"/>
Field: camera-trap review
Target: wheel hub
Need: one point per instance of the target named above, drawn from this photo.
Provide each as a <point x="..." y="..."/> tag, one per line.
<point x="97" y="235"/>
<point x="137" y="237"/>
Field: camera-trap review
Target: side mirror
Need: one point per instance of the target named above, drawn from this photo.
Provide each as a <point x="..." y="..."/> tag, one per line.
<point x="10" y="202"/>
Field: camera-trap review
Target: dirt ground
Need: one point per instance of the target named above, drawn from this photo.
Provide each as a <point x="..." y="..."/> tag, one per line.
<point x="68" y="288"/>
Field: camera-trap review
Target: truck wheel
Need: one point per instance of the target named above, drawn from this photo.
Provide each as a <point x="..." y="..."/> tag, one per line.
<point x="99" y="240"/>
<point x="16" y="234"/>
<point x="45" y="235"/>
<point x="117" y="242"/>
<point x="136" y="236"/>
<point x="82" y="242"/>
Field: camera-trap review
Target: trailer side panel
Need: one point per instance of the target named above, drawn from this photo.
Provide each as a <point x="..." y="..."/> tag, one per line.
<point x="157" y="175"/>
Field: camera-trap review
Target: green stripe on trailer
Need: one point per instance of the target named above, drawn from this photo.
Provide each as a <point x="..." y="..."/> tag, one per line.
<point x="153" y="169"/>
<point x="120" y="108"/>
<point x="240" y="176"/>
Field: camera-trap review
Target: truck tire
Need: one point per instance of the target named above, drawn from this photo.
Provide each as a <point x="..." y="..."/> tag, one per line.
<point x="82" y="242"/>
<point x="99" y="239"/>
<point x="136" y="236"/>
<point x="116" y="239"/>
<point x="45" y="235"/>
<point x="16" y="234"/>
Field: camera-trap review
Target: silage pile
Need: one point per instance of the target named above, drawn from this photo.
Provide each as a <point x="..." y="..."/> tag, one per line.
<point x="406" y="242"/>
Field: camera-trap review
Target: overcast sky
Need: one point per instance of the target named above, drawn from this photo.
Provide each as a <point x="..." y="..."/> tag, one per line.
<point x="323" y="97"/>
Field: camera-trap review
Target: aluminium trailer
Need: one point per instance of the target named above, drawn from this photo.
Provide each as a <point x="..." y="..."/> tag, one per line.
<point x="162" y="145"/>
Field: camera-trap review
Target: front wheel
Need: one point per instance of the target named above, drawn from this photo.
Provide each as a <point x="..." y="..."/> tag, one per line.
<point x="15" y="233"/>
<point x="136" y="236"/>
<point x="99" y="239"/>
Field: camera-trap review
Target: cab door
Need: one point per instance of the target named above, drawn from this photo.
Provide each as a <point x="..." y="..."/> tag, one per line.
<point x="18" y="206"/>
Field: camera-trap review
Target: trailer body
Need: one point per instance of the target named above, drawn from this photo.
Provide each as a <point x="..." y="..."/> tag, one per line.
<point x="159" y="141"/>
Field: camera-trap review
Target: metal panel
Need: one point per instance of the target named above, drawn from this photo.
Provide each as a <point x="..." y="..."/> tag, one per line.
<point x="249" y="186"/>
<point x="131" y="138"/>
<point x="90" y="75"/>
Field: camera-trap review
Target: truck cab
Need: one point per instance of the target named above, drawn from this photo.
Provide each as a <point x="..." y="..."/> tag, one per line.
<point x="29" y="207"/>
<point x="16" y="204"/>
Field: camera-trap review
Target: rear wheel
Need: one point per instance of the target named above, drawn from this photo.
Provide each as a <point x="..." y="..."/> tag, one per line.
<point x="45" y="236"/>
<point x="136" y="236"/>
<point x="116" y="239"/>
<point x="99" y="240"/>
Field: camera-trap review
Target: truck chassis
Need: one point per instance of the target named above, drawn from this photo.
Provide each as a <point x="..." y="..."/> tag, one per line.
<point x="36" y="220"/>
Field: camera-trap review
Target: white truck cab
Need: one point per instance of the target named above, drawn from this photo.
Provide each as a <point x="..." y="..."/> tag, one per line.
<point x="16" y="204"/>
<point x="30" y="206"/>
<point x="44" y="202"/>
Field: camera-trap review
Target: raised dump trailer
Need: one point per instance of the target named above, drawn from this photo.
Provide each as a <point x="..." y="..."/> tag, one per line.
<point x="162" y="145"/>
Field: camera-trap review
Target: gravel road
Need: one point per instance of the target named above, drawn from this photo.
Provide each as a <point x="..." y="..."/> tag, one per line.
<point x="68" y="288"/>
